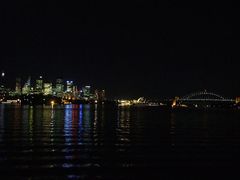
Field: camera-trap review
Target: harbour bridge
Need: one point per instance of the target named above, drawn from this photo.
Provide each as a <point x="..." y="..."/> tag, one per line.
<point x="203" y="98"/>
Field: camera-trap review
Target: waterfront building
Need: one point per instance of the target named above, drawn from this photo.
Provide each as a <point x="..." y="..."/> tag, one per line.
<point x="2" y="81"/>
<point x="59" y="88"/>
<point x="27" y="86"/>
<point x="75" y="92"/>
<point x="86" y="91"/>
<point x="47" y="89"/>
<point x="69" y="86"/>
<point x="3" y="74"/>
<point x="100" y="95"/>
<point x="18" y="87"/>
<point x="39" y="85"/>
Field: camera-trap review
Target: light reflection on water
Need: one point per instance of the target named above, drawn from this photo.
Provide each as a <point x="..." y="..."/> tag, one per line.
<point x="1" y="122"/>
<point x="74" y="141"/>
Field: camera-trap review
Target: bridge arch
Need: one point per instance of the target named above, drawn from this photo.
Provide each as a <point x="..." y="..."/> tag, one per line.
<point x="202" y="95"/>
<point x="202" y="99"/>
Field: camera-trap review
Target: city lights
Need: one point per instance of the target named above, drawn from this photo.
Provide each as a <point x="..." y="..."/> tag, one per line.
<point x="41" y="91"/>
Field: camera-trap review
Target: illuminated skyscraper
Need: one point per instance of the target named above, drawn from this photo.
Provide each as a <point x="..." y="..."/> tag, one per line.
<point x="27" y="86"/>
<point x="59" y="87"/>
<point x="100" y="95"/>
<point x="39" y="85"/>
<point x="69" y="86"/>
<point x="2" y="81"/>
<point x="18" y="86"/>
<point x="2" y="74"/>
<point x="86" y="91"/>
<point x="47" y="89"/>
<point x="75" y="92"/>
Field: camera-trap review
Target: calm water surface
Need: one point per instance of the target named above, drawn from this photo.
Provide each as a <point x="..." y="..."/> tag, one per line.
<point x="101" y="142"/>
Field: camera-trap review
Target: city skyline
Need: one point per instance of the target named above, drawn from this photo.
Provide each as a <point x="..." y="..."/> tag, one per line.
<point x="159" y="50"/>
<point x="41" y="91"/>
<point x="119" y="90"/>
<point x="34" y="81"/>
<point x="61" y="85"/>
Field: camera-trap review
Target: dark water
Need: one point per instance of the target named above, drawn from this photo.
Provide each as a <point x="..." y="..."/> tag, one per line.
<point x="97" y="142"/>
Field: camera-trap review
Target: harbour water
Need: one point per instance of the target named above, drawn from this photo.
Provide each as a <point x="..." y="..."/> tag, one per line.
<point x="107" y="142"/>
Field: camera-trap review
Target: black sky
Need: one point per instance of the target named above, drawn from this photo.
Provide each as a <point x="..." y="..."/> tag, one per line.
<point x="142" y="48"/>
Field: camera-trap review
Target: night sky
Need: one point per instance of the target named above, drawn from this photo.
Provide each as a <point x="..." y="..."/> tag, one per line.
<point x="143" y="48"/>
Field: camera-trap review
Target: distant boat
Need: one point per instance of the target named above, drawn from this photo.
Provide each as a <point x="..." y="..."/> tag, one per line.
<point x="15" y="101"/>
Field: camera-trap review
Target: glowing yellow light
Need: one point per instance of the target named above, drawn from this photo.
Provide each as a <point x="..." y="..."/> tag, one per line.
<point x="237" y="100"/>
<point x="174" y="103"/>
<point x="124" y="103"/>
<point x="52" y="103"/>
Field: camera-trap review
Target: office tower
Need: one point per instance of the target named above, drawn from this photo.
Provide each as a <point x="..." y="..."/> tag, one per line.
<point x="2" y="81"/>
<point x="2" y="74"/>
<point x="18" y="86"/>
<point x="86" y="91"/>
<point x="69" y="86"/>
<point x="100" y="95"/>
<point x="47" y="89"/>
<point x="39" y="85"/>
<point x="27" y="86"/>
<point x="59" y="89"/>
<point x="75" y="91"/>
